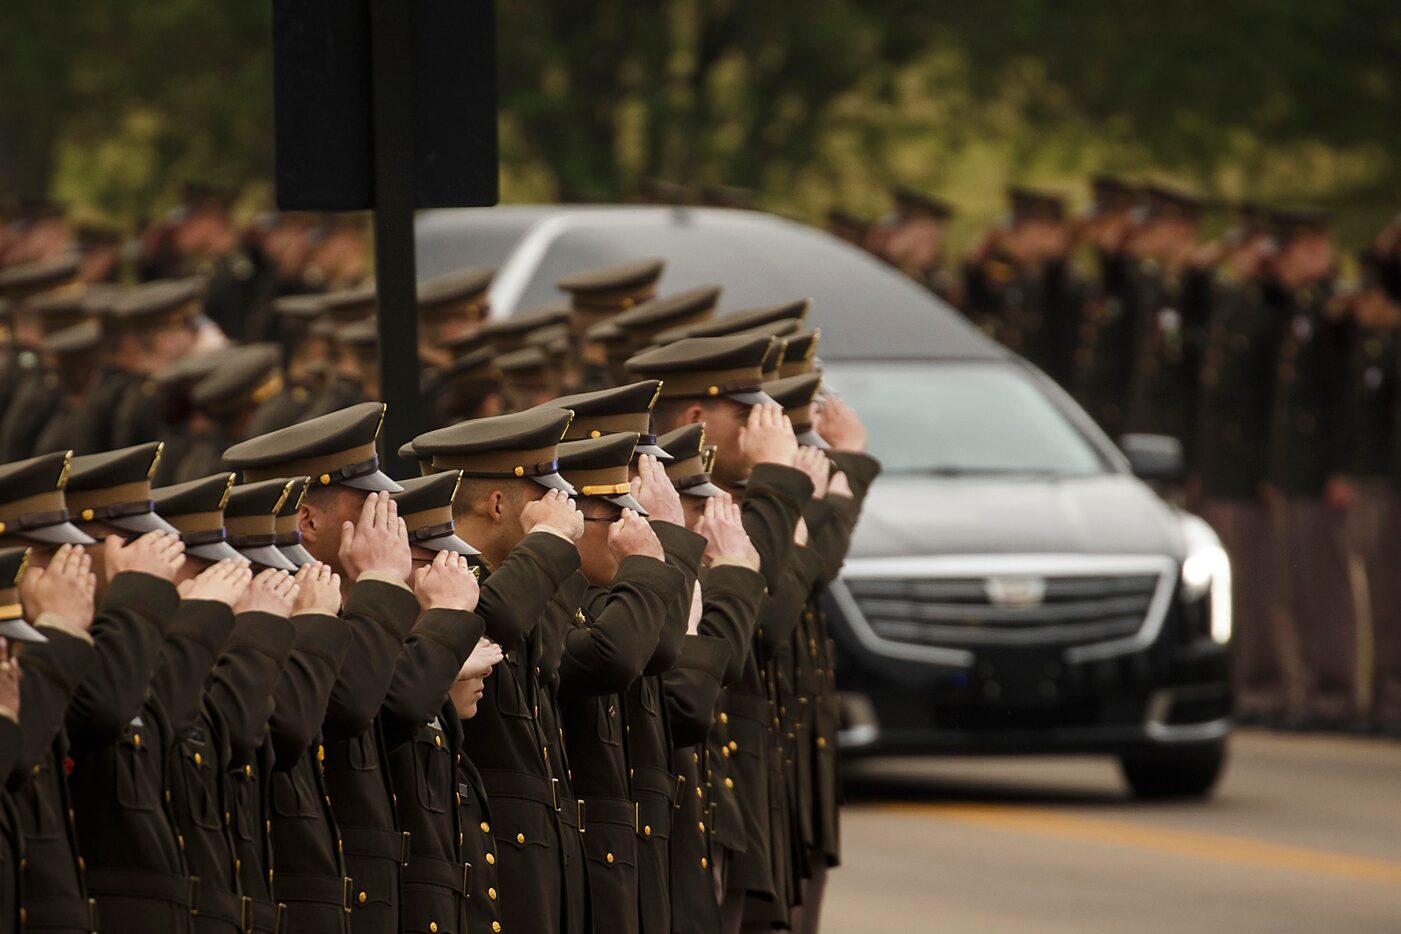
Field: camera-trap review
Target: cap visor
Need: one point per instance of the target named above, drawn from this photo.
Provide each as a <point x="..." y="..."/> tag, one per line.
<point x="554" y="481"/>
<point x="216" y="551"/>
<point x="627" y="501"/>
<point x="812" y="439"/>
<point x="17" y="630"/>
<point x="64" y="533"/>
<point x="655" y="450"/>
<point x="751" y="398"/>
<point x="449" y="543"/>
<point x="704" y="490"/>
<point x="377" y="482"/>
<point x="296" y="554"/>
<point x="269" y="557"/>
<point x="141" y="523"/>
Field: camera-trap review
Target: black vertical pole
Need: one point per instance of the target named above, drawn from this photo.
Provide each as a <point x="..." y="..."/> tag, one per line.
<point x="391" y="37"/>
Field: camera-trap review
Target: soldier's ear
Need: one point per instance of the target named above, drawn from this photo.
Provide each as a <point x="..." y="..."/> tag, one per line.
<point x="694" y="414"/>
<point x="496" y="506"/>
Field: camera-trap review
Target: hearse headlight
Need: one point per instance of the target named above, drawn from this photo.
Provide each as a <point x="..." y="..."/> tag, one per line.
<point x="1206" y="575"/>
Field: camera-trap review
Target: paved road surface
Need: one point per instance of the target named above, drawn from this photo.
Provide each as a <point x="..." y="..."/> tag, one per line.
<point x="1304" y="835"/>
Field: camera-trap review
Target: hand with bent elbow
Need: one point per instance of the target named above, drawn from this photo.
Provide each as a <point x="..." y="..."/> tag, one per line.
<point x="654" y="492"/>
<point x="632" y="535"/>
<point x="319" y="590"/>
<point x="722" y="524"/>
<point x="65" y="588"/>
<point x="378" y="542"/>
<point x="446" y="584"/>
<point x="273" y="592"/>
<point x="554" y="512"/>
<point x="842" y="427"/>
<point x="767" y="437"/>
<point x="224" y="582"/>
<point x="160" y="554"/>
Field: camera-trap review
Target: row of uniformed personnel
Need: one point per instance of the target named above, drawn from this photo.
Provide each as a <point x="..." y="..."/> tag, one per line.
<point x="313" y="743"/>
<point x="1277" y="375"/>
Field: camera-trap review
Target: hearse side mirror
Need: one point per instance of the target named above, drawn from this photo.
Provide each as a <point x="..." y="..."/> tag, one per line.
<point x="1155" y="458"/>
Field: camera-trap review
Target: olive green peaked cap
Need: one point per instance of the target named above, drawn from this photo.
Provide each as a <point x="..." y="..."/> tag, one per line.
<point x="599" y="467"/>
<point x="196" y="509"/>
<point x="608" y="411"/>
<point x="708" y="367"/>
<point x="425" y="505"/>
<point x="250" y="517"/>
<point x="524" y="445"/>
<point x="13" y="625"/>
<point x="114" y="488"/>
<point x="338" y="447"/>
<point x="32" y="504"/>
<point x="689" y="469"/>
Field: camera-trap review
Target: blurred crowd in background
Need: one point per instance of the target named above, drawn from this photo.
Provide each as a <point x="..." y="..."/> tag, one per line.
<point x="1271" y="356"/>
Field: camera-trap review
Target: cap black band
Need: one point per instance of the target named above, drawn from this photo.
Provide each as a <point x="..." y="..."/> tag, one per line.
<point x="432" y="531"/>
<point x="211" y="537"/>
<point x="287" y="539"/>
<point x="538" y="469"/>
<point x="695" y="479"/>
<point x="118" y="510"/>
<point x="252" y="541"/>
<point x="39" y="520"/>
<point x="349" y="471"/>
<point x="646" y="439"/>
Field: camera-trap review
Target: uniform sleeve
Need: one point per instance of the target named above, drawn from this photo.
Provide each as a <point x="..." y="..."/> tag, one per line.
<point x="730" y="597"/>
<point x="607" y="656"/>
<point x="691" y="688"/>
<point x="192" y="645"/>
<point x="126" y="634"/>
<point x="239" y="696"/>
<point x="515" y="595"/>
<point x="773" y="502"/>
<point x="319" y="645"/>
<point x="52" y="672"/>
<point x="782" y="612"/>
<point x="380" y="615"/>
<point x="861" y="470"/>
<point x="684" y="550"/>
<point x="432" y="656"/>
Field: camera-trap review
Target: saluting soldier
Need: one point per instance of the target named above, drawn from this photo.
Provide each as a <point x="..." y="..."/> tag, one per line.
<point x="147" y="329"/>
<point x="439" y="878"/>
<point x="71" y="355"/>
<point x="451" y="306"/>
<point x="1312" y="584"/>
<point x="15" y="633"/>
<point x="718" y="380"/>
<point x="1107" y="334"/>
<point x="513" y="505"/>
<point x="1233" y="422"/>
<point x="224" y="404"/>
<point x="620" y="603"/>
<point x="338" y="452"/>
<point x="1173" y="302"/>
<point x="686" y="309"/>
<point x="38" y="305"/>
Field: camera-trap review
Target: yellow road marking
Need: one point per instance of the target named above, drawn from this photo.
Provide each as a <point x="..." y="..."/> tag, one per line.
<point x="1184" y="843"/>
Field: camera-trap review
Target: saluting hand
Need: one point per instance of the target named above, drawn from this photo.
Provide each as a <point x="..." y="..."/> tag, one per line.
<point x="767" y="437"/>
<point x="485" y="656"/>
<point x="378" y="542"/>
<point x="446" y="584"/>
<point x="841" y="426"/>
<point x="10" y="677"/>
<point x="839" y="485"/>
<point x="632" y="535"/>
<point x="815" y="464"/>
<point x="160" y="554"/>
<point x="320" y="590"/>
<point x="654" y="491"/>
<point x="66" y="587"/>
<point x="722" y="524"/>
<point x="274" y="592"/>
<point x="224" y="582"/>
<point x="554" y="512"/>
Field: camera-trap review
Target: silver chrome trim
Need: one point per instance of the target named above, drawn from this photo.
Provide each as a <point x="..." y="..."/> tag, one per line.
<point x="1044" y="565"/>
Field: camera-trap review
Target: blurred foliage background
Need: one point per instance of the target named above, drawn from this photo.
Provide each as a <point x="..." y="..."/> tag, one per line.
<point x="113" y="105"/>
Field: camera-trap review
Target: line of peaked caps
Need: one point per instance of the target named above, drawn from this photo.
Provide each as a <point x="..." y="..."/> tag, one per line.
<point x="614" y="314"/>
<point x="674" y="347"/>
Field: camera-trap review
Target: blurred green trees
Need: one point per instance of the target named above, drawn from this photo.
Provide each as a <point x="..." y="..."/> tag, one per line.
<point x="113" y="105"/>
